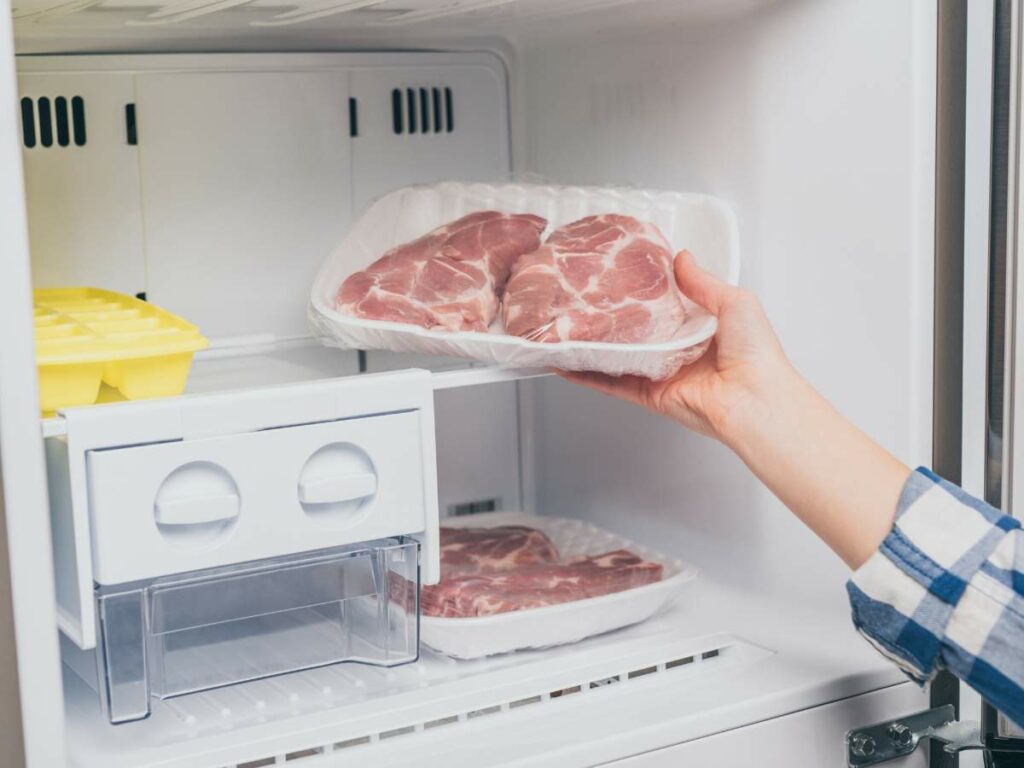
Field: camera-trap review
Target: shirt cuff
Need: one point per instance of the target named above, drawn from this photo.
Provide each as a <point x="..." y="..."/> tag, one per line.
<point x="905" y="594"/>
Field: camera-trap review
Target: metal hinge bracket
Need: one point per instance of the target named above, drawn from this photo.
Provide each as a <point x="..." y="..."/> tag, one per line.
<point x="886" y="741"/>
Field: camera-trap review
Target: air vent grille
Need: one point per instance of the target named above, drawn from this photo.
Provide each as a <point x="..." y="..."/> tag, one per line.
<point x="474" y="507"/>
<point x="422" y="110"/>
<point x="678" y="666"/>
<point x="43" y="120"/>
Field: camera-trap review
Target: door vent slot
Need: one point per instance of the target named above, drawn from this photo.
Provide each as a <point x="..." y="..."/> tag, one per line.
<point x="422" y="110"/>
<point x="44" y="119"/>
<point x="474" y="507"/>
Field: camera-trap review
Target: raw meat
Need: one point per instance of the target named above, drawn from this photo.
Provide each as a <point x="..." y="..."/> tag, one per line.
<point x="450" y="278"/>
<point x="534" y="586"/>
<point x="601" y="278"/>
<point x="514" y="567"/>
<point x="472" y="551"/>
<point x="501" y="548"/>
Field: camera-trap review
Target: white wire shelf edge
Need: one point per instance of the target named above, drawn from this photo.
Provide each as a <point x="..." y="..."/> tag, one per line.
<point x="265" y="364"/>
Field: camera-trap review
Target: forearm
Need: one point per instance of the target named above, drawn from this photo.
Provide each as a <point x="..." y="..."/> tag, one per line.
<point x="839" y="482"/>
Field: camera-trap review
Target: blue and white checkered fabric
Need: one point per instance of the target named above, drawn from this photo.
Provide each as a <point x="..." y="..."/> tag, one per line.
<point x="946" y="591"/>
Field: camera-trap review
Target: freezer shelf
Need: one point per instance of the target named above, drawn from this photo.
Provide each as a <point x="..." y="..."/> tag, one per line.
<point x="206" y="629"/>
<point x="719" y="659"/>
<point x="257" y="365"/>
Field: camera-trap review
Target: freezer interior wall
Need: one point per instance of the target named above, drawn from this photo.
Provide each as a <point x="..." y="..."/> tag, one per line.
<point x="822" y="142"/>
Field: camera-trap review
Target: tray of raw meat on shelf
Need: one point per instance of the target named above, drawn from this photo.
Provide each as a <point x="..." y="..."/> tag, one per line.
<point x="578" y="278"/>
<point x="512" y="581"/>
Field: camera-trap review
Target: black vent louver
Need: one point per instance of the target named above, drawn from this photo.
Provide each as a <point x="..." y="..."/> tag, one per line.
<point x="60" y="106"/>
<point x="45" y="122"/>
<point x="422" y="110"/>
<point x="48" y="122"/>
<point x="28" y="123"/>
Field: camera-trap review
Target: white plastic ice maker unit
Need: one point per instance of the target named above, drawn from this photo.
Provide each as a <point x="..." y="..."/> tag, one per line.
<point x="148" y="490"/>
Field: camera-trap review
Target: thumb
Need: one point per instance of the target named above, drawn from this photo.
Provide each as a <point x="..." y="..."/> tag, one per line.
<point x="701" y="286"/>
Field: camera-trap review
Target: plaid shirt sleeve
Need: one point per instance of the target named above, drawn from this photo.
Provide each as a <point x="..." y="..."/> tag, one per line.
<point x="945" y="590"/>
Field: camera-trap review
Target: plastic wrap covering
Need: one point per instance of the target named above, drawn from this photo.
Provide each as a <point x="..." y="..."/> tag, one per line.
<point x="513" y="580"/>
<point x="470" y="323"/>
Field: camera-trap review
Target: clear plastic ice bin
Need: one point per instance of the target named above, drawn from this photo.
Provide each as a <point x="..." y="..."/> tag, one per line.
<point x="190" y="632"/>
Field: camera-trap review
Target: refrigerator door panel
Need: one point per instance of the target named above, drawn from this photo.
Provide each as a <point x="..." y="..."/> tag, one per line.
<point x="1005" y="418"/>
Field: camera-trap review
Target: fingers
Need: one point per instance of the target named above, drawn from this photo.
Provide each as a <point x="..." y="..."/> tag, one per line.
<point x="701" y="286"/>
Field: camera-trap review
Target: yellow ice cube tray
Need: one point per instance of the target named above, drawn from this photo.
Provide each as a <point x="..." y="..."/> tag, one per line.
<point x="88" y="336"/>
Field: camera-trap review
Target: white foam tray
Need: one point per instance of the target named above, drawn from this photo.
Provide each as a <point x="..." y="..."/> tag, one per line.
<point x="701" y="224"/>
<point x="476" y="636"/>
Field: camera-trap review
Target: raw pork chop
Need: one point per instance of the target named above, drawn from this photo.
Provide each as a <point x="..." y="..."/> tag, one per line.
<point x="538" y="585"/>
<point x="449" y="279"/>
<point x="501" y="548"/>
<point x="471" y="551"/>
<point x="602" y="278"/>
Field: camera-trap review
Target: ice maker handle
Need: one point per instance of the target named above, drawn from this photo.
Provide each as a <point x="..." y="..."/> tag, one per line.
<point x="331" y="490"/>
<point x="196" y="510"/>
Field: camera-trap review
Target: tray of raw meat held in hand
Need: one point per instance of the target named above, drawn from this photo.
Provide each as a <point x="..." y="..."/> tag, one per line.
<point x="511" y="580"/>
<point x="577" y="278"/>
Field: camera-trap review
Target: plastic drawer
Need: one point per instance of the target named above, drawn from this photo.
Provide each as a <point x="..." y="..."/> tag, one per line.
<point x="166" y="508"/>
<point x="177" y="635"/>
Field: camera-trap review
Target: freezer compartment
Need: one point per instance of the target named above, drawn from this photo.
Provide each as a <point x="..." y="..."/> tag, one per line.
<point x="206" y="629"/>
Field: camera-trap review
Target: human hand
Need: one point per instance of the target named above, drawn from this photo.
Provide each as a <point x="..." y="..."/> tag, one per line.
<point x="744" y="392"/>
<point x="740" y="373"/>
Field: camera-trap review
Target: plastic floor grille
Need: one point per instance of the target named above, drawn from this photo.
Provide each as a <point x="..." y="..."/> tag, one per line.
<point x="677" y="665"/>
